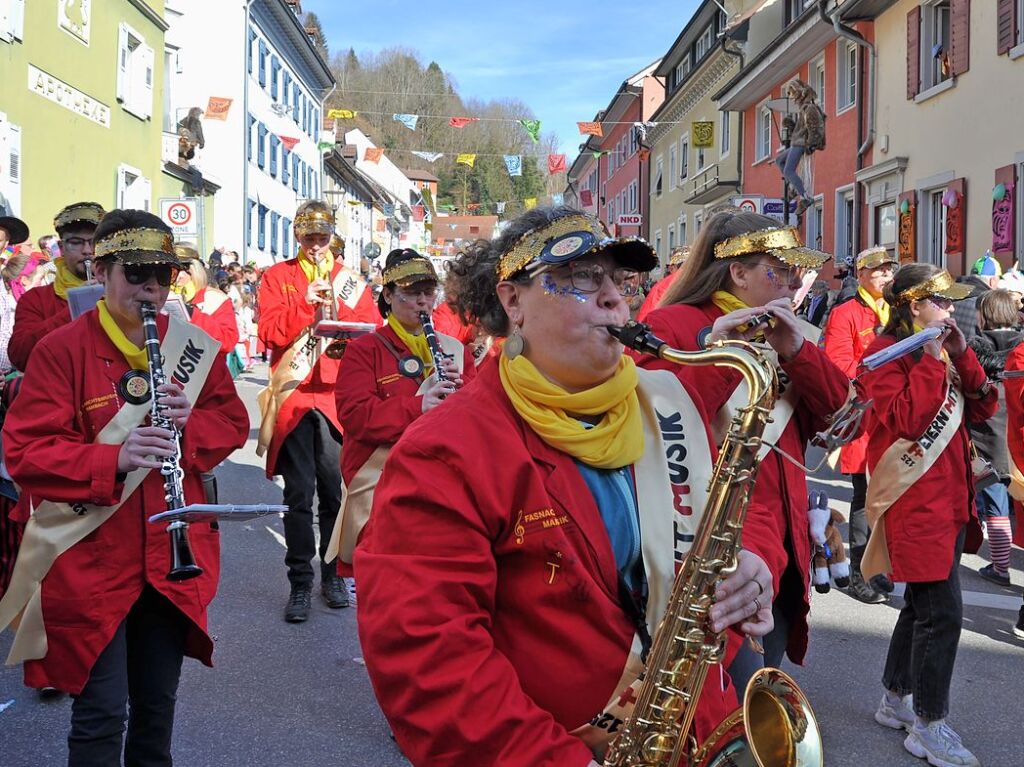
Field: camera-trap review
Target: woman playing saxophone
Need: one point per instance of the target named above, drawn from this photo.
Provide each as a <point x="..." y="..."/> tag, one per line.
<point x="528" y="596"/>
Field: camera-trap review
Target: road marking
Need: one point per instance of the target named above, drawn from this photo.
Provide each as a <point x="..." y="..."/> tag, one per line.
<point x="277" y="536"/>
<point x="979" y="599"/>
<point x="832" y="482"/>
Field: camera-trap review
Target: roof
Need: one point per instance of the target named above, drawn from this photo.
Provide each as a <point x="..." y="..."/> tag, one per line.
<point x="420" y="175"/>
<point x="703" y="16"/>
<point x="464" y="227"/>
<point x="281" y="15"/>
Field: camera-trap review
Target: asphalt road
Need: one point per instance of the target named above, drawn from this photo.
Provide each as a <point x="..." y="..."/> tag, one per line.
<point x="283" y="694"/>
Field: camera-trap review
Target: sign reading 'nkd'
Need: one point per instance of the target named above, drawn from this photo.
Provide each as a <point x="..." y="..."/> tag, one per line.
<point x="630" y="219"/>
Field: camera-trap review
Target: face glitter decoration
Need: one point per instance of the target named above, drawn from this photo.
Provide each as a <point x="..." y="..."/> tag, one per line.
<point x="551" y="288"/>
<point x="773" y="278"/>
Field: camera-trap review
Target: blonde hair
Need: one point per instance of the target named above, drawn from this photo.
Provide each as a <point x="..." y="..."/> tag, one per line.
<point x="199" y="276"/>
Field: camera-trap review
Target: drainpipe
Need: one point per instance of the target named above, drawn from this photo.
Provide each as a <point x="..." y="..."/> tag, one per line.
<point x="246" y="221"/>
<point x="846" y="33"/>
<point x="738" y="138"/>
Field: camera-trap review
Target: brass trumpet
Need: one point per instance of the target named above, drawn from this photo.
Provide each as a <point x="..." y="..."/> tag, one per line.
<point x="328" y="312"/>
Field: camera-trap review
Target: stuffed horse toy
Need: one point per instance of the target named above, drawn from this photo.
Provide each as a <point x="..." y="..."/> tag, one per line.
<point x="829" y="555"/>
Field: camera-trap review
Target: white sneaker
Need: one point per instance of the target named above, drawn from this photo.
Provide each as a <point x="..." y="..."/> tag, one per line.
<point x="899" y="716"/>
<point x="939" y="744"/>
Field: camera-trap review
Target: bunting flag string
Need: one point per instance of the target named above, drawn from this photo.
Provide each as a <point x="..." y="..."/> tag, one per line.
<point x="341" y="114"/>
<point x="556" y="164"/>
<point x="466" y="158"/>
<point x="428" y="156"/>
<point x="532" y="127"/>
<point x="530" y="203"/>
<point x="373" y="154"/>
<point x="462" y="122"/>
<point x="290" y="141"/>
<point x="514" y="164"/>
<point x="409" y="121"/>
<point x="591" y="129"/>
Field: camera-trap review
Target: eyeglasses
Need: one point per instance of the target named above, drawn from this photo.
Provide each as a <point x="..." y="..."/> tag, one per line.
<point x="78" y="242"/>
<point x="788" y="274"/>
<point x="139" y="274"/>
<point x="410" y="294"/>
<point x="940" y="302"/>
<point x="589" y="277"/>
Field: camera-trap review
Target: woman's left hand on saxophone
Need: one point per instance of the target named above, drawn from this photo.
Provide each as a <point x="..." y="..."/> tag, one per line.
<point x="745" y="597"/>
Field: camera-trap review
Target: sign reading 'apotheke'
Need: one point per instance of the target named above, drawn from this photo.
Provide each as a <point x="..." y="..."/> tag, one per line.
<point x="72" y="99"/>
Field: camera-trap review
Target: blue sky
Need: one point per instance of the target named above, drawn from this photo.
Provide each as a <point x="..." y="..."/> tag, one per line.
<point x="564" y="58"/>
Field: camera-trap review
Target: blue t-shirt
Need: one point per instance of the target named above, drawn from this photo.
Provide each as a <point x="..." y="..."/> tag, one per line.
<point x="615" y="496"/>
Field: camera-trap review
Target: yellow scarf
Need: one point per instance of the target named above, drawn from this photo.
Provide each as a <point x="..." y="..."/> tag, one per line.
<point x="65" y="279"/>
<point x="882" y="312"/>
<point x="727" y="302"/>
<point x="187" y="291"/>
<point x="616" y="441"/>
<point x="135" y="356"/>
<point x="316" y="271"/>
<point x="416" y="344"/>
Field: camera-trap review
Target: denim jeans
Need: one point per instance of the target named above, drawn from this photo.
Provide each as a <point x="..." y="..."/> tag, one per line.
<point x="139" y="670"/>
<point x="923" y="647"/>
<point x="993" y="501"/>
<point x="309" y="462"/>
<point x="788" y="161"/>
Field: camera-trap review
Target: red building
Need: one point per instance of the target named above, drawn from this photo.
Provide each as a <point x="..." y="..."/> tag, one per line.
<point x="835" y="60"/>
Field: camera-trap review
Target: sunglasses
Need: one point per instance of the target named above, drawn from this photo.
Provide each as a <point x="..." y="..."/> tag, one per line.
<point x="139" y="274"/>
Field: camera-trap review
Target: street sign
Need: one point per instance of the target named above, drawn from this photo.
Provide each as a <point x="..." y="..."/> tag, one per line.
<point x="748" y="204"/>
<point x="181" y="215"/>
<point x="630" y="219"/>
<point x="773" y="207"/>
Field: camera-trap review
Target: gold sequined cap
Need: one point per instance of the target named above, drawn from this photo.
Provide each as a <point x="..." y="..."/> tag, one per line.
<point x="571" y="237"/>
<point x="869" y="258"/>
<point x="314" y="218"/>
<point x="942" y="284"/>
<point x="679" y="255"/>
<point x="154" y="246"/>
<point x="79" y="213"/>
<point x="409" y="272"/>
<point x="783" y="243"/>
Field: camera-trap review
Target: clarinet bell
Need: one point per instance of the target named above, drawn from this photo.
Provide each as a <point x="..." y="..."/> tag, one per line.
<point x="183" y="564"/>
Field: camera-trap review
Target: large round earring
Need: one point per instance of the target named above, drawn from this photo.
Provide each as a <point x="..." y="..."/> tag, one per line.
<point x="514" y="344"/>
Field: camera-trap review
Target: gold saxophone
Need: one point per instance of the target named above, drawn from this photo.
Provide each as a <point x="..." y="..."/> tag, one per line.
<point x="775" y="726"/>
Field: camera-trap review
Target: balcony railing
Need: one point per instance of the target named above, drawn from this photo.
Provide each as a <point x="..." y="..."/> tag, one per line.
<point x="708" y="185"/>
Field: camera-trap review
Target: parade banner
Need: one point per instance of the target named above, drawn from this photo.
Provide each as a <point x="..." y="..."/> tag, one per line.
<point x="217" y="108"/>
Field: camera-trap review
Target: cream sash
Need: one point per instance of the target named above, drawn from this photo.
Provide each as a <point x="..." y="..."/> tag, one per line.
<point x="298" y="361"/>
<point x="901" y="466"/>
<point x="784" y="407"/>
<point x="357" y="498"/>
<point x="54" y="528"/>
<point x="672" y="480"/>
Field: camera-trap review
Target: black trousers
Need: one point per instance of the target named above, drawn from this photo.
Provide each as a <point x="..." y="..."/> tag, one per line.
<point x="922" y="651"/>
<point x="859" y="530"/>
<point x="138" y="671"/>
<point x="310" y="463"/>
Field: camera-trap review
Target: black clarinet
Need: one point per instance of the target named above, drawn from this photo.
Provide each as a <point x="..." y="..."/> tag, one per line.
<point x="435" y="348"/>
<point x="183" y="564"/>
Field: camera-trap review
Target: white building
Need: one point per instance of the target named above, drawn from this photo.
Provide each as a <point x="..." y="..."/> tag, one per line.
<point x="263" y="153"/>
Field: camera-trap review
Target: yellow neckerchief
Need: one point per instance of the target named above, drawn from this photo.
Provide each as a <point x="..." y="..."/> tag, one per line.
<point x="187" y="291"/>
<point x="727" y="302"/>
<point x="416" y="344"/>
<point x="135" y="356"/>
<point x="65" y="279"/>
<point x="320" y="270"/>
<point x="616" y="441"/>
<point x="882" y="312"/>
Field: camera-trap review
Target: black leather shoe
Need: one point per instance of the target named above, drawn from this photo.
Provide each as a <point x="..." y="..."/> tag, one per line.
<point x="334" y="592"/>
<point x="297" y="609"/>
<point x="882" y="584"/>
<point x="861" y="591"/>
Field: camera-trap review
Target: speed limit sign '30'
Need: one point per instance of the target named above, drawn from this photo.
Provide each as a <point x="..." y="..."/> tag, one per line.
<point x="180" y="215"/>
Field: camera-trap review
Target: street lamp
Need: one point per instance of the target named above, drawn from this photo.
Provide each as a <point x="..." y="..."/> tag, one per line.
<point x="786" y="108"/>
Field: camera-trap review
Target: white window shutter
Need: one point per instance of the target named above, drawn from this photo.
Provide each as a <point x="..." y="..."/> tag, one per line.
<point x="122" y="62"/>
<point x="18" y="19"/>
<point x="146" y="75"/>
<point x="145" y="197"/>
<point x="122" y="187"/>
<point x="6" y="14"/>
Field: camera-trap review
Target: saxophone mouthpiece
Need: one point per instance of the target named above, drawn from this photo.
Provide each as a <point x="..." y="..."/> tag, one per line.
<point x="637" y="335"/>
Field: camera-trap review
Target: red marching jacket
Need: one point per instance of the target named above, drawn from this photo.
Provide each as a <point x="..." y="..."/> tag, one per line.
<point x="375" y="402"/>
<point x="850" y="329"/>
<point x="921" y="527"/>
<point x="39" y="311"/>
<point x="494" y="661"/>
<point x="658" y="291"/>
<point x="69" y="395"/>
<point x="213" y="312"/>
<point x="781" y="486"/>
<point x="284" y="314"/>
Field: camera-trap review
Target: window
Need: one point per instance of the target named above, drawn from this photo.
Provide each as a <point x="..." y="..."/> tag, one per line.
<point x="285" y="159"/>
<point x="134" y="72"/>
<point x="263" y="64"/>
<point x="286" y="88"/>
<point x="763" y="150"/>
<point x="261" y="227"/>
<point x="634" y="138"/>
<point x="274" y="218"/>
<point x="633" y="197"/>
<point x="611" y="212"/>
<point x="657" y="242"/>
<point x="844" y="224"/>
<point x="698" y="222"/>
<point x="275" y="142"/>
<point x="248" y="52"/>
<point x="814" y="222"/>
<point x="671" y="237"/>
<point x="133" y="189"/>
<point x="682" y="69"/>
<point x="316" y="124"/>
<point x="796" y="7"/>
<point x="682" y="229"/>
<point x="305" y="180"/>
<point x="846" y="76"/>
<point x="885" y="225"/>
<point x="10" y="164"/>
<point x="261" y="146"/>
<point x="286" y="235"/>
<point x="817" y="74"/>
<point x="168" y="102"/>
<point x="275" y="68"/>
<point x="659" y="169"/>
<point x="726" y="133"/>
<point x="296" y="98"/>
<point x="295" y="172"/>
<point x="672" y="168"/>
<point x="684" y="160"/>
<point x="936" y="44"/>
<point x="250" y="141"/>
<point x="701" y="159"/>
<point x="935" y="231"/>
<point x="705" y="43"/>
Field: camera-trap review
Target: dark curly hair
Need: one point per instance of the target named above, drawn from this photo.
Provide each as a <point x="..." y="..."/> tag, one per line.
<point x="473" y="276"/>
<point x="121" y="219"/>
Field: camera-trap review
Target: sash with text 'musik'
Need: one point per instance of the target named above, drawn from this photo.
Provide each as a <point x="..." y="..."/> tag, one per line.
<point x="54" y="528"/>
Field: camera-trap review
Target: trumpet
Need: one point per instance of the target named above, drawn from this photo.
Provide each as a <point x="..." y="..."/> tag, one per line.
<point x="328" y="312"/>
